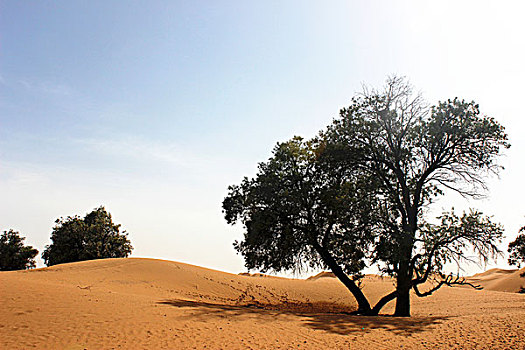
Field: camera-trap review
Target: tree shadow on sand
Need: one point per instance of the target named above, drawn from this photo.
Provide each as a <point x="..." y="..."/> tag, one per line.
<point x="334" y="322"/>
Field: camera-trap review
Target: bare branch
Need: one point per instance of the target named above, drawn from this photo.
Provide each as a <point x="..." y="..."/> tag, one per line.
<point x="450" y="281"/>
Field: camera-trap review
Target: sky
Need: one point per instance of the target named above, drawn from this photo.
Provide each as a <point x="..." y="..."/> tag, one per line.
<point x="153" y="108"/>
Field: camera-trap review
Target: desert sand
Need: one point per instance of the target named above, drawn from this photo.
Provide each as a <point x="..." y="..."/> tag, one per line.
<point x="154" y="304"/>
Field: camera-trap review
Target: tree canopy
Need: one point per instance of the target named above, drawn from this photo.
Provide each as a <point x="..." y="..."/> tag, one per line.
<point x="417" y="152"/>
<point x="14" y="255"/>
<point x="356" y="194"/>
<point x="93" y="237"/>
<point x="298" y="212"/>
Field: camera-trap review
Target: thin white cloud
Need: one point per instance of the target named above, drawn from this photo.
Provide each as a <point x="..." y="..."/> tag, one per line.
<point x="55" y="89"/>
<point x="147" y="150"/>
<point x="16" y="175"/>
<point x="45" y="87"/>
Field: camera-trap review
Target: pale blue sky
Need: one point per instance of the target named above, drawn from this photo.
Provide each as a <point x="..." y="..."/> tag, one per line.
<point x="152" y="108"/>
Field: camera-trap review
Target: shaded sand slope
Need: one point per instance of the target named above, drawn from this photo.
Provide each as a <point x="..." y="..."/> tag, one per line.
<point x="155" y="304"/>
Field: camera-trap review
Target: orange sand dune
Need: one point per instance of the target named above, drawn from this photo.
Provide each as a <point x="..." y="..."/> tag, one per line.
<point x="155" y="304"/>
<point x="322" y="274"/>
<point x="493" y="273"/>
<point x="501" y="280"/>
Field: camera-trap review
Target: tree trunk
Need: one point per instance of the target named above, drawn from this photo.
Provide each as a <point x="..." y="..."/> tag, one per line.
<point x="404" y="273"/>
<point x="402" y="300"/>
<point x="404" y="279"/>
<point x="362" y="302"/>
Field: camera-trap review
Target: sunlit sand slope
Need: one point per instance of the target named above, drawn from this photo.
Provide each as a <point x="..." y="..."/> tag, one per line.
<point x="501" y="280"/>
<point x="155" y="304"/>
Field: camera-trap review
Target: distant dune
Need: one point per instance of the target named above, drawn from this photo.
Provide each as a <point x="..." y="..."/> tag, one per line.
<point x="494" y="279"/>
<point x="501" y="280"/>
<point x="494" y="273"/>
<point x="155" y="304"/>
<point x="322" y="274"/>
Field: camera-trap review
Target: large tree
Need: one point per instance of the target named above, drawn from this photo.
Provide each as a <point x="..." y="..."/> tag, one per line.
<point x="14" y="255"/>
<point x="94" y="236"/>
<point x="361" y="187"/>
<point x="417" y="153"/>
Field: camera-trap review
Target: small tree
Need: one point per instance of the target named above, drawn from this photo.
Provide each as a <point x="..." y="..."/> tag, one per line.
<point x="517" y="249"/>
<point x="92" y="237"/>
<point x="13" y="254"/>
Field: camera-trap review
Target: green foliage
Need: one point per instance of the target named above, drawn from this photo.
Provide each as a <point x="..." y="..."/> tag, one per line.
<point x="517" y="249"/>
<point x="296" y="208"/>
<point x="13" y="254"/>
<point x="92" y="237"/>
